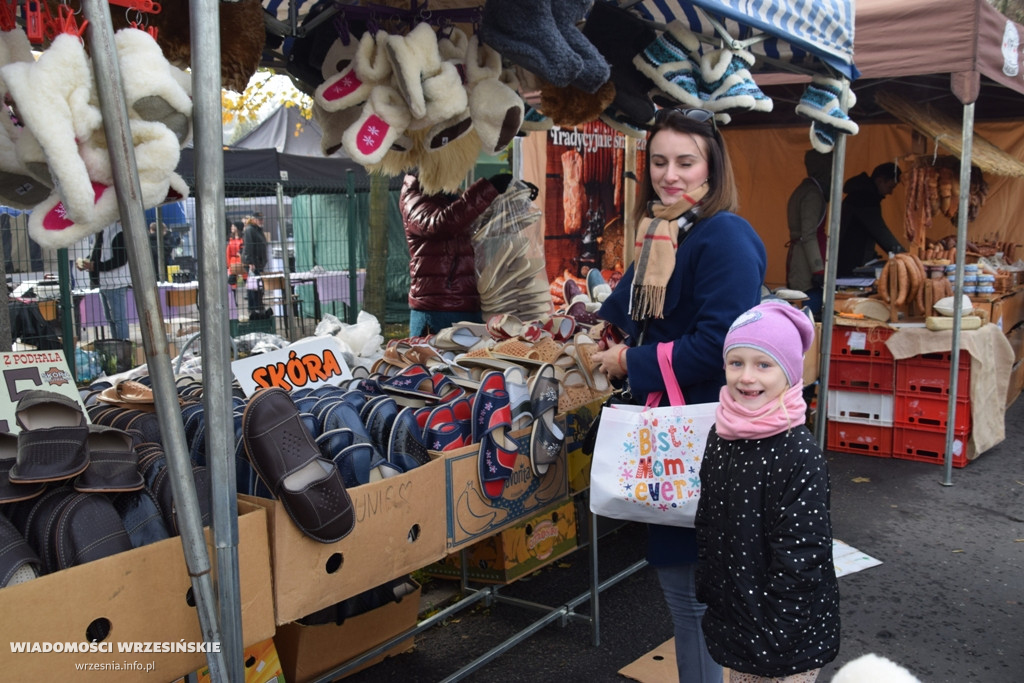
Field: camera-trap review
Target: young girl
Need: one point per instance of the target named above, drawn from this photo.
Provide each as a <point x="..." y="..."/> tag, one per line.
<point x="764" y="535"/>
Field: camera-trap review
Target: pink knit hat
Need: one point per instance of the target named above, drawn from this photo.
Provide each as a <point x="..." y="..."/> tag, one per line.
<point x="777" y="329"/>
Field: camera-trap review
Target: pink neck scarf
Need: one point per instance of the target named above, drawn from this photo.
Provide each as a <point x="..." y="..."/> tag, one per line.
<point x="733" y="421"/>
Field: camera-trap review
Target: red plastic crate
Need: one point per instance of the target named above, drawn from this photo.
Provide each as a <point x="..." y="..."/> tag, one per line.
<point x="861" y="342"/>
<point x="929" y="374"/>
<point x="861" y="375"/>
<point x="919" y="410"/>
<point x="852" y="437"/>
<point x="928" y="446"/>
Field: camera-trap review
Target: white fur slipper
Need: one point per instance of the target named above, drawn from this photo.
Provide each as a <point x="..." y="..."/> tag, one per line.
<point x="339" y="56"/>
<point x="384" y="118"/>
<point x="497" y="112"/>
<point x="444" y="96"/>
<point x="19" y="187"/>
<point x="333" y="125"/>
<point x="151" y="89"/>
<point x="52" y="99"/>
<point x="414" y="57"/>
<point x="453" y="47"/>
<point x="351" y="86"/>
<point x="482" y="62"/>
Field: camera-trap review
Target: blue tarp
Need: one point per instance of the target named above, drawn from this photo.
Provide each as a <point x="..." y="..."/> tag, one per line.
<point x="801" y="30"/>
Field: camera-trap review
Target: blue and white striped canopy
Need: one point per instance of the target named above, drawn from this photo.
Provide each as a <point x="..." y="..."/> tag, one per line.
<point x="801" y="30"/>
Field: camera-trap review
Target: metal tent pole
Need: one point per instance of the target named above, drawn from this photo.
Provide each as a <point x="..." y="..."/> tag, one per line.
<point x="204" y="16"/>
<point x="100" y="35"/>
<point x="829" y="287"/>
<point x="967" y="141"/>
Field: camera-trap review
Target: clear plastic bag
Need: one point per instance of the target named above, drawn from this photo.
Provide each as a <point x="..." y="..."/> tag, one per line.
<point x="508" y="245"/>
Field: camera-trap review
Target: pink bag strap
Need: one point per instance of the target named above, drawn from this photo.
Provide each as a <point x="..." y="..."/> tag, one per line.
<point x="675" y="394"/>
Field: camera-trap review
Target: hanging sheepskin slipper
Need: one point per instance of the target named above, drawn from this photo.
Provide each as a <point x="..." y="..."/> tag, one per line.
<point x="444" y="96"/>
<point x="339" y="56"/>
<point x="497" y="112"/>
<point x="727" y="82"/>
<point x="333" y="125"/>
<point x="19" y="187"/>
<point x="414" y="58"/>
<point x="671" y="62"/>
<point x="478" y="63"/>
<point x="155" y="90"/>
<point x="595" y="71"/>
<point x="352" y="85"/>
<point x="53" y="99"/>
<point x="446" y="171"/>
<point x="404" y="155"/>
<point x="384" y="118"/>
<point x="619" y="35"/>
<point x="821" y="102"/>
<point x="525" y="32"/>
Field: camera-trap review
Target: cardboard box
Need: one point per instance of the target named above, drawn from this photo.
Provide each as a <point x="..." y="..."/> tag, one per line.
<point x="577" y="424"/>
<point x="400" y="527"/>
<point x="262" y="665"/>
<point x="518" y="550"/>
<point x="139" y="596"/>
<point x="308" y="651"/>
<point x="1016" y="383"/>
<point x="472" y="515"/>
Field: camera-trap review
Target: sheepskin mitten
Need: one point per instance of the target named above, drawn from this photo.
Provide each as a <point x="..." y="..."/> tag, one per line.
<point x="53" y="99"/>
<point x="727" y="82"/>
<point x="384" y="118"/>
<point x="526" y="33"/>
<point x="821" y="102"/>
<point x="414" y="58"/>
<point x="672" y="64"/>
<point x="620" y="35"/>
<point x="351" y="86"/>
<point x="595" y="71"/>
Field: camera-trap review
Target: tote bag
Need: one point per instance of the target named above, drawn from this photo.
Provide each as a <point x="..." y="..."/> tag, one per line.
<point x="646" y="464"/>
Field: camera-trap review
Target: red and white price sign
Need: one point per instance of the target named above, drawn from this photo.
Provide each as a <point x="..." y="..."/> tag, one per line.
<point x="24" y="371"/>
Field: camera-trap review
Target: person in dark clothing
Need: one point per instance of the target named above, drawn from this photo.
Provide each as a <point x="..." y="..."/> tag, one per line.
<point x="700" y="265"/>
<point x="109" y="271"/>
<point x="254" y="259"/>
<point x="861" y="224"/>
<point x="442" y="270"/>
<point x="170" y="241"/>
<point x="807" y="213"/>
<point x="764" y="531"/>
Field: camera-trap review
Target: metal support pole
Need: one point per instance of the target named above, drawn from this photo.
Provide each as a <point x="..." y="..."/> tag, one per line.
<point x="829" y="288"/>
<point x="286" y="294"/>
<point x="967" y="141"/>
<point x="100" y="36"/>
<point x="67" y="320"/>
<point x="215" y="341"/>
<point x="353" y="272"/>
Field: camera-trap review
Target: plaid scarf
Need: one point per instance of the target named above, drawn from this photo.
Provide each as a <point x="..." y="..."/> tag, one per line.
<point x="658" y="237"/>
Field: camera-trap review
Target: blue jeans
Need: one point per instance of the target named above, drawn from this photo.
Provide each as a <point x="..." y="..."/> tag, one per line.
<point x="115" y="305"/>
<point x="692" y="658"/>
<point x="435" y="321"/>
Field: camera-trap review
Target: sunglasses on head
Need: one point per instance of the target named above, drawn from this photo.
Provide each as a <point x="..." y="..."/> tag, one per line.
<point x="698" y="115"/>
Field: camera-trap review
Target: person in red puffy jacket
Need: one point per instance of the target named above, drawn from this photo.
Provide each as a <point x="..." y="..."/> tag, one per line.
<point x="438" y="228"/>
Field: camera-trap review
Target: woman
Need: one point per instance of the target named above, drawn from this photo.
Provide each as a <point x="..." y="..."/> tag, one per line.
<point x="234" y="253"/>
<point x="698" y="266"/>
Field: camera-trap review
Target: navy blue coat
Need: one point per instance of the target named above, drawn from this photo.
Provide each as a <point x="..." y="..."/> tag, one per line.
<point x="719" y="271"/>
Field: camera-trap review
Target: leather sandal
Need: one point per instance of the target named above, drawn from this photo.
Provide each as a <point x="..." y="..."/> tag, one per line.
<point x="287" y="459"/>
<point x="547" y="438"/>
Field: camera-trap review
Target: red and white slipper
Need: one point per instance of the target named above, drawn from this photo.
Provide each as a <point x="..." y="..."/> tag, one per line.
<point x="385" y="117"/>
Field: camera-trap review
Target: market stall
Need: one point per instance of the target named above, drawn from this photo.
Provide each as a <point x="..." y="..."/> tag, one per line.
<point x="471" y="512"/>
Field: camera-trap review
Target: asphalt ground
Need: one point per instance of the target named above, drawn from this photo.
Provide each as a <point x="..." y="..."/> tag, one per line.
<point x="947" y="602"/>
